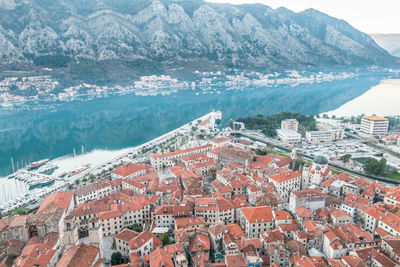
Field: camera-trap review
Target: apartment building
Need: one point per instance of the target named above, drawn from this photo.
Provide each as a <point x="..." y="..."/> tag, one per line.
<point x="256" y="219"/>
<point x="214" y="210"/>
<point x="290" y="124"/>
<point x="165" y="216"/>
<point x="286" y="182"/>
<point x="159" y="161"/>
<point x="325" y="136"/>
<point x="97" y="190"/>
<point x="374" y="126"/>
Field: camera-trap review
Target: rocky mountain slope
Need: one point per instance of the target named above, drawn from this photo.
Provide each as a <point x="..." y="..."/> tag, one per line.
<point x="390" y="42"/>
<point x="128" y="36"/>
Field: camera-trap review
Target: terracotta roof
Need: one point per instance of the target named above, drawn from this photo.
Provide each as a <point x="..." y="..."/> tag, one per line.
<point x="235" y="230"/>
<point x="375" y="118"/>
<point x="353" y="261"/>
<point x="176" y="153"/>
<point x="174" y="249"/>
<point x="79" y="255"/>
<point x="216" y="229"/>
<point x="200" y="241"/>
<point x="382" y="259"/>
<point x="258" y="214"/>
<point x="339" y="213"/>
<point x="310" y="226"/>
<point x="140" y="240"/>
<point x="304" y="212"/>
<point x="184" y="222"/>
<point x="285" y="176"/>
<point x="282" y="215"/>
<point x="17" y="221"/>
<point x="283" y="162"/>
<point x="392" y="221"/>
<point x="130" y="168"/>
<point x="160" y="257"/>
<point x="59" y="199"/>
<point x="110" y="214"/>
<point x="308" y="193"/>
<point x="235" y="261"/>
<point x="126" y="235"/>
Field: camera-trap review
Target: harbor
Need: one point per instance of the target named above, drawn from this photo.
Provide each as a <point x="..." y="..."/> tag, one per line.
<point x="29" y="185"/>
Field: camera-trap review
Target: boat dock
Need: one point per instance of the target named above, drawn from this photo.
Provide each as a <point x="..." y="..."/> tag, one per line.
<point x="62" y="180"/>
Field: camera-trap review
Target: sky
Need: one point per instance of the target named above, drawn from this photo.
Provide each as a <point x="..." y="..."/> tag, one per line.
<point x="369" y="16"/>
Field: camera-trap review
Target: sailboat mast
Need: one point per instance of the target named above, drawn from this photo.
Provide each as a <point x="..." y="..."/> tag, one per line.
<point x="12" y="164"/>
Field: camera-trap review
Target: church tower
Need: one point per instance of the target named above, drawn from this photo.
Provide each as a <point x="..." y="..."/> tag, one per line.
<point x="316" y="173"/>
<point x="95" y="234"/>
<point x="71" y="236"/>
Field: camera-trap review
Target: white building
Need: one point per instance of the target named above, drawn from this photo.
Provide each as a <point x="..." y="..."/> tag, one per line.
<point x="160" y="161"/>
<point x="325" y="136"/>
<point x="286" y="182"/>
<point x="311" y="199"/>
<point x="288" y="136"/>
<point x="374" y="126"/>
<point x="290" y="124"/>
<point x="316" y="173"/>
<point x="256" y="219"/>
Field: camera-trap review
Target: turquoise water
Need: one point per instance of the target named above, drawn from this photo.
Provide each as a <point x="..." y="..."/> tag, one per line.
<point x="126" y="120"/>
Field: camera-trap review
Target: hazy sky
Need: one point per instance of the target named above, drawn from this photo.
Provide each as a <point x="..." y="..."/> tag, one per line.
<point x="370" y="16"/>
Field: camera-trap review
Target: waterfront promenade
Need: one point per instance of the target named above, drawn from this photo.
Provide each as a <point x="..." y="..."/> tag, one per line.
<point x="97" y="165"/>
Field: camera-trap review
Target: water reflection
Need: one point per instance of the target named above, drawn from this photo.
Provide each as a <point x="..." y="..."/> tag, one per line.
<point x="382" y="99"/>
<point x="120" y="121"/>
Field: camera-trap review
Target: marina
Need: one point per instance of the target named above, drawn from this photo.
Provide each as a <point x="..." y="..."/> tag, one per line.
<point x="29" y="185"/>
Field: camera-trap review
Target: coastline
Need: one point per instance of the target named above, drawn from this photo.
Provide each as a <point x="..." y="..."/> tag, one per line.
<point x="97" y="160"/>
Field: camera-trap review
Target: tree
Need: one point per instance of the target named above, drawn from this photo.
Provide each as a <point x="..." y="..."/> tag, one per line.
<point x="70" y="187"/>
<point x="345" y="158"/>
<point x="137" y="228"/>
<point x="92" y="177"/>
<point x="375" y="167"/>
<point x="84" y="180"/>
<point x="77" y="181"/>
<point x="116" y="258"/>
<point x="164" y="239"/>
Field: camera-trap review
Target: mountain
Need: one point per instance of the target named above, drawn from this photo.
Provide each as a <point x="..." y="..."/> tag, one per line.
<point x="390" y="42"/>
<point x="109" y="40"/>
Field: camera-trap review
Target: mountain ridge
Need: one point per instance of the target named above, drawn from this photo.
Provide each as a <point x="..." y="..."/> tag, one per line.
<point x="134" y="36"/>
<point x="390" y="42"/>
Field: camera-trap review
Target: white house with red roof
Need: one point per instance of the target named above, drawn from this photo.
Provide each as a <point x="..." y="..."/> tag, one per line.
<point x="256" y="219"/>
<point x="130" y="170"/>
<point x="286" y="182"/>
<point x="339" y="217"/>
<point x="159" y="161"/>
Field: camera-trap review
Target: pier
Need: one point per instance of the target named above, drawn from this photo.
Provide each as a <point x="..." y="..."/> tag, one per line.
<point x="125" y="156"/>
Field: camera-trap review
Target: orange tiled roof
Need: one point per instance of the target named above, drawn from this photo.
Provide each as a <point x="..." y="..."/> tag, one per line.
<point x="375" y="118"/>
<point x="59" y="199"/>
<point x="180" y="152"/>
<point x="79" y="255"/>
<point x="258" y="214"/>
<point x="285" y="176"/>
